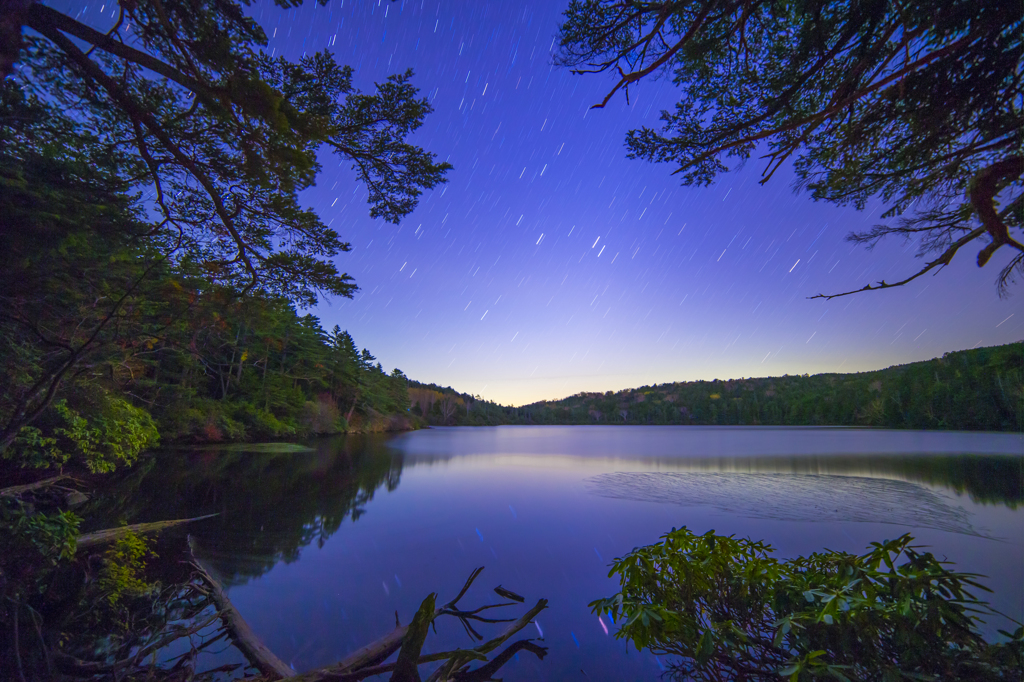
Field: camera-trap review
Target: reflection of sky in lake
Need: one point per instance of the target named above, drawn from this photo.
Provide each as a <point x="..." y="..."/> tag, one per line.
<point x="797" y="497"/>
<point x="546" y="509"/>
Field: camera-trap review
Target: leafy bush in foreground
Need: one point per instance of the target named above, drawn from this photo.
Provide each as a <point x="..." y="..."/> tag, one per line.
<point x="728" y="610"/>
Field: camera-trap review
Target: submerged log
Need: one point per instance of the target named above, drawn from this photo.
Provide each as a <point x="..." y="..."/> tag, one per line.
<point x="111" y="534"/>
<point x="15" y="490"/>
<point x="257" y="653"/>
<point x="365" y="661"/>
<point x="352" y="667"/>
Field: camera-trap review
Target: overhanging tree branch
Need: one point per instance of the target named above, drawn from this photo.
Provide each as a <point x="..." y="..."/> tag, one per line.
<point x="941" y="261"/>
<point x="869" y="100"/>
<point x="139" y="114"/>
<point x="44" y="19"/>
<point x="663" y="59"/>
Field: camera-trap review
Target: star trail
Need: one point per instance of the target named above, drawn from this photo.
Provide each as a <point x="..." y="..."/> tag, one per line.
<point x="551" y="264"/>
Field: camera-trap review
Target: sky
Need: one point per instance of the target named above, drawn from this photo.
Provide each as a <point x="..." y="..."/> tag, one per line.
<point x="550" y="264"/>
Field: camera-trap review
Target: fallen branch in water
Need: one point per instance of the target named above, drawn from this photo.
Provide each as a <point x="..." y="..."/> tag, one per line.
<point x="378" y="651"/>
<point x="242" y="635"/>
<point x="454" y="668"/>
<point x="368" y="660"/>
<point x="111" y="534"/>
<point x="15" y="490"/>
<point x="486" y="671"/>
<point x="133" y="666"/>
<point x="482" y="673"/>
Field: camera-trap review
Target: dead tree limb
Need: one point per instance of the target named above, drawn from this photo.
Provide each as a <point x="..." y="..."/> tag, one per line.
<point x="368" y="660"/>
<point x="480" y="673"/>
<point x="16" y="490"/>
<point x="101" y="537"/>
<point x="486" y="671"/>
<point x="257" y="653"/>
<point x="407" y="665"/>
<point x="460" y="658"/>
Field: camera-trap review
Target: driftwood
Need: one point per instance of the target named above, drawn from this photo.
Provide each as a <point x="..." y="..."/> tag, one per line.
<point x="407" y="665"/>
<point x="453" y="668"/>
<point x="15" y="490"/>
<point x="111" y="534"/>
<point x="483" y="673"/>
<point x="257" y="653"/>
<point x="367" y="661"/>
<point x="377" y="651"/>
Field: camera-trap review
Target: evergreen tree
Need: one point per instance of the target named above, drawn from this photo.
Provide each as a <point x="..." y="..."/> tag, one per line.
<point x="158" y="161"/>
<point x="916" y="103"/>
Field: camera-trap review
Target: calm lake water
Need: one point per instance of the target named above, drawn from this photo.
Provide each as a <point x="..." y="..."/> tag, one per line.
<point x="320" y="549"/>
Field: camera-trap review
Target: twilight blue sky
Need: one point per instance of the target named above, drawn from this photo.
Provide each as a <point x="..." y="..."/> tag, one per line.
<point x="550" y="264"/>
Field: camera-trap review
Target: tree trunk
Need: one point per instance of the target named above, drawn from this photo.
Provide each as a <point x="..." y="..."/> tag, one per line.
<point x="348" y="416"/>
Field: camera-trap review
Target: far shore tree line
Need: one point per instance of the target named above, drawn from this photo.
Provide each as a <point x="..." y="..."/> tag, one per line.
<point x="973" y="390"/>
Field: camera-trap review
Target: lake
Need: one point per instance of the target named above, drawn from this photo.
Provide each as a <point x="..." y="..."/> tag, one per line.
<point x="321" y="548"/>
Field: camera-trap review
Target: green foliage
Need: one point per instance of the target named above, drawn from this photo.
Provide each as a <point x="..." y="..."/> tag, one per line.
<point x="728" y="610"/>
<point x="91" y="308"/>
<point x="124" y="565"/>
<point x="914" y="104"/>
<point x="236" y="133"/>
<point x="33" y="449"/>
<point x="48" y="538"/>
<point x="116" y="435"/>
<point x="151" y="232"/>
<point x="974" y="390"/>
<point x="256" y="369"/>
<point x="78" y="290"/>
<point x="115" y="432"/>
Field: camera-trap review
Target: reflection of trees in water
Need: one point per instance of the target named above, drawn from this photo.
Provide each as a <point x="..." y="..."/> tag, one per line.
<point x="793" y="497"/>
<point x="270" y="504"/>
<point x="986" y="479"/>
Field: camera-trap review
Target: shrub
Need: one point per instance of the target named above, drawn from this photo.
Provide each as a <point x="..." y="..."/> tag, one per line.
<point x="124" y="565"/>
<point x="322" y="416"/>
<point x="728" y="610"/>
<point x="30" y="537"/>
<point x="260" y="423"/>
<point x="112" y="432"/>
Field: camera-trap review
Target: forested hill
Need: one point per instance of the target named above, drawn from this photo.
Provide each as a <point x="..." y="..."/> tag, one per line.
<point x="980" y="389"/>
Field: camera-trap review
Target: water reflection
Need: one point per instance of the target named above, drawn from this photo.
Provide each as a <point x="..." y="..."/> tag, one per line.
<point x="271" y="504"/>
<point x="989" y="468"/>
<point x="545" y="509"/>
<point x="783" y="497"/>
<point x="987" y="480"/>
